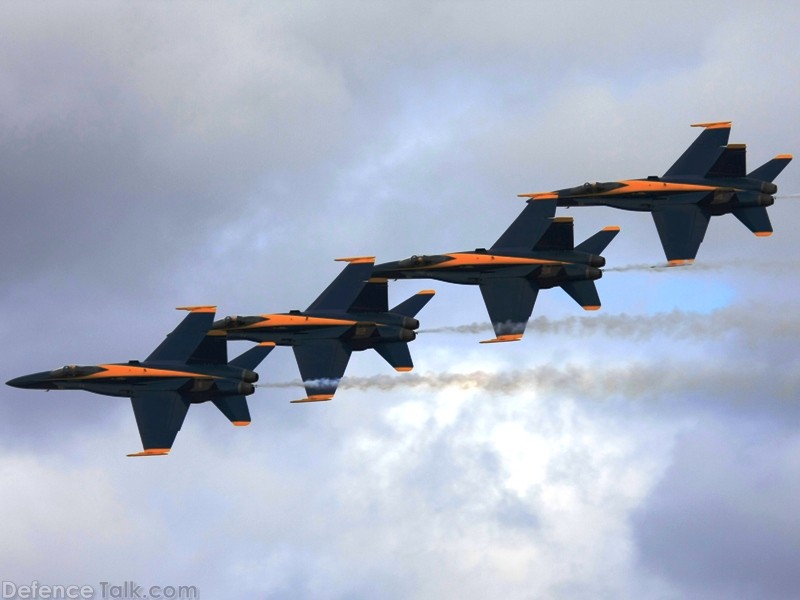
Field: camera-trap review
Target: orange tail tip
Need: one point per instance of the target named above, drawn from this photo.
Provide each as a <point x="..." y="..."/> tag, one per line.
<point x="680" y="262"/>
<point x="152" y="452"/>
<point x="357" y="259"/>
<point x="268" y="344"/>
<point x="714" y="125"/>
<point x="403" y="369"/>
<point x="206" y="309"/>
<point x="241" y="423"/>
<point x="611" y="228"/>
<point x="592" y="307"/>
<point x="509" y="337"/>
<point x="314" y="398"/>
<point x="784" y="156"/>
<point x="763" y="233"/>
<point x="427" y="292"/>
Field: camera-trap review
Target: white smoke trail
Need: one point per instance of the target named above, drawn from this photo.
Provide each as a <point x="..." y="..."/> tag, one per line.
<point x="631" y="382"/>
<point x="673" y="324"/>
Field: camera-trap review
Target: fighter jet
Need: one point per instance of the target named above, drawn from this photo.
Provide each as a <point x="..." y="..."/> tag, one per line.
<point x="709" y="179"/>
<point x="187" y="368"/>
<point x="535" y="252"/>
<point x="351" y="314"/>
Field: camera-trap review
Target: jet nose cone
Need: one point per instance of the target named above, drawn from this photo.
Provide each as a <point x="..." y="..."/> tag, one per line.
<point x="24" y="382"/>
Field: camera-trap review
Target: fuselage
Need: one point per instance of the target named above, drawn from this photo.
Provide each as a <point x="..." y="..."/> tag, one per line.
<point x="362" y="330"/>
<point x="197" y="382"/>
<point x="718" y="195"/>
<point x="546" y="268"/>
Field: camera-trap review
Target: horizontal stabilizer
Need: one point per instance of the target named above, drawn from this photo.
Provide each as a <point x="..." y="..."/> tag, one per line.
<point x="755" y="218"/>
<point x="213" y="350"/>
<point x="253" y="357"/>
<point x="529" y="226"/>
<point x="235" y="408"/>
<point x="731" y="163"/>
<point x="598" y="242"/>
<point x="396" y="354"/>
<point x="771" y="169"/>
<point x="374" y="297"/>
<point x="700" y="157"/>
<point x="411" y="306"/>
<point x="584" y="293"/>
<point x="558" y="236"/>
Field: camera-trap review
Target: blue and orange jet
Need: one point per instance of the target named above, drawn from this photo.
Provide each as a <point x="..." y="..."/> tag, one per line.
<point x="709" y="179"/>
<point x="351" y="314"/>
<point x="187" y="368"/>
<point x="536" y="252"/>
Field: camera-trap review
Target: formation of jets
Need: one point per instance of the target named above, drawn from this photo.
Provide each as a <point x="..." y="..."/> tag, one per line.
<point x="536" y="252"/>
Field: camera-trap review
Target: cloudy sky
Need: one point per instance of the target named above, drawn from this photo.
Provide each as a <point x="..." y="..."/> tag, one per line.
<point x="154" y="155"/>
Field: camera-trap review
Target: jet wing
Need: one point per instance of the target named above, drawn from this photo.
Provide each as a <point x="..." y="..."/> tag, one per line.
<point x="343" y="291"/>
<point x="159" y="416"/>
<point x="186" y="337"/>
<point x="529" y="226"/>
<point x="705" y="151"/>
<point x="510" y="304"/>
<point x="322" y="364"/>
<point x="681" y="228"/>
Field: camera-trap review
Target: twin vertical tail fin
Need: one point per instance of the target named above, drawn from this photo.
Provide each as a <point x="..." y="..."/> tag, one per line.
<point x="397" y="353"/>
<point x="235" y="407"/>
<point x="772" y="168"/>
<point x="599" y="241"/>
<point x="584" y="291"/>
<point x="414" y="304"/>
<point x="755" y="218"/>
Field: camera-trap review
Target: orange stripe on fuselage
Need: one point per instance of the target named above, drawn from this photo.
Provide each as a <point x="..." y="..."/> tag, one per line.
<point x="640" y="186"/>
<point x="484" y="260"/>
<point x="284" y="320"/>
<point x="116" y="371"/>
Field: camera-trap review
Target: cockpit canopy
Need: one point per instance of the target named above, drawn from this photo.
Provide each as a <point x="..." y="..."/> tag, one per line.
<point x="594" y="187"/>
<point x="74" y="371"/>
<point x="423" y="261"/>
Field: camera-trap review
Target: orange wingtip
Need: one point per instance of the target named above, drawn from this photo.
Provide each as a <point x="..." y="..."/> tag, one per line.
<point x="784" y="157"/>
<point x="377" y="280"/>
<point x="763" y="233"/>
<point x="204" y="309"/>
<point x="509" y="337"/>
<point x="426" y="292"/>
<point x="611" y="228"/>
<point x="315" y="398"/>
<point x="403" y="369"/>
<point x="217" y="332"/>
<point x="539" y="196"/>
<point x="357" y="259"/>
<point x="563" y="220"/>
<point x="152" y="452"/>
<point x="714" y="125"/>
<point x="680" y="262"/>
<point x="592" y="307"/>
<point x="241" y="423"/>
